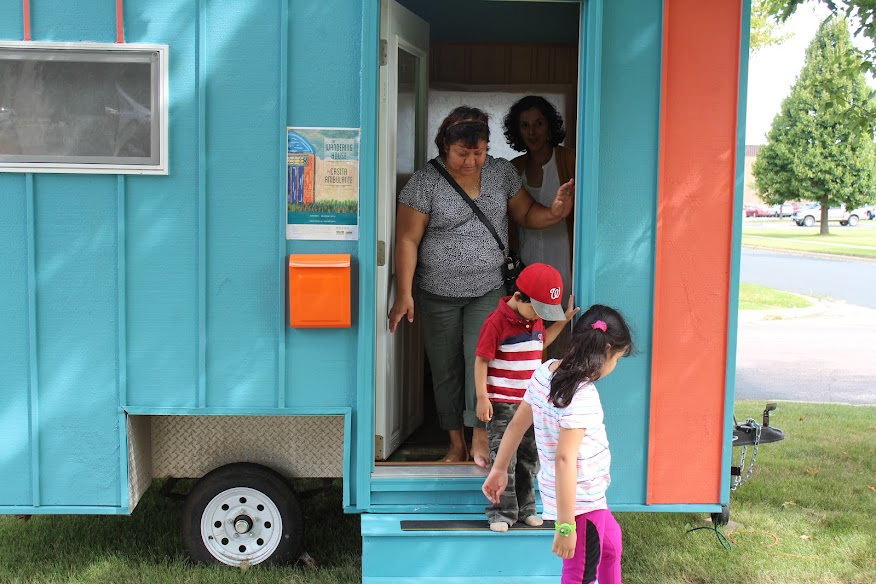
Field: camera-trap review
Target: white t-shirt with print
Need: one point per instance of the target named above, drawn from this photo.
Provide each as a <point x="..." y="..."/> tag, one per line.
<point x="594" y="458"/>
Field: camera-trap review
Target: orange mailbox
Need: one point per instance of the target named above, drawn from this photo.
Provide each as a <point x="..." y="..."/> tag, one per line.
<point x="319" y="290"/>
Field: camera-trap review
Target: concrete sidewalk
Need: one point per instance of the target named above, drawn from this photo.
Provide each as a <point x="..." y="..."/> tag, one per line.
<point x="824" y="353"/>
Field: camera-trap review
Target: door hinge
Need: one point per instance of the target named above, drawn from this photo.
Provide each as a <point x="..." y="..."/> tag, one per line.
<point x="383" y="56"/>
<point x="381" y="253"/>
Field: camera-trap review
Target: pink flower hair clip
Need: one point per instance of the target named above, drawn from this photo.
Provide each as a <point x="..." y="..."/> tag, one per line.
<point x="600" y="325"/>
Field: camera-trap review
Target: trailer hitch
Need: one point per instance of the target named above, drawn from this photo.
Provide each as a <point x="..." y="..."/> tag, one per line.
<point x="750" y="433"/>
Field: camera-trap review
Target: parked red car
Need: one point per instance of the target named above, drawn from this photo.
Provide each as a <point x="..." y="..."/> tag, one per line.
<point x="766" y="211"/>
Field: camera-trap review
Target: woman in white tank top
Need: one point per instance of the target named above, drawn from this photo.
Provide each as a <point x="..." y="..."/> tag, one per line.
<point x="534" y="126"/>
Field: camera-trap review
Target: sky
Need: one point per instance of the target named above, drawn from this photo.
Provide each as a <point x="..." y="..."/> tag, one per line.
<point x="773" y="70"/>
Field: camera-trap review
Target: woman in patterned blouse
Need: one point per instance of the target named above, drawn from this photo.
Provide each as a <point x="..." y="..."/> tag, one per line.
<point x="446" y="258"/>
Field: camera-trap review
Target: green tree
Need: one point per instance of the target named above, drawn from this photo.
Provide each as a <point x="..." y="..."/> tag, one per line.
<point x="764" y="26"/>
<point x="861" y="12"/>
<point x="815" y="149"/>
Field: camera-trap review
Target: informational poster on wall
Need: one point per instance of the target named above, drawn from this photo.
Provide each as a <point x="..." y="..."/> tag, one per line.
<point x="322" y="183"/>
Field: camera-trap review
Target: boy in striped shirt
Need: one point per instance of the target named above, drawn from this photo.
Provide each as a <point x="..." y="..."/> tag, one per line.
<point x="509" y="351"/>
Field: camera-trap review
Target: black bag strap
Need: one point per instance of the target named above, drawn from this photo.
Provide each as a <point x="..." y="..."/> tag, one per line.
<point x="471" y="203"/>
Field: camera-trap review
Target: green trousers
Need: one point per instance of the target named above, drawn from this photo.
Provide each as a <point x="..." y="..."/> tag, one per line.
<point x="451" y="327"/>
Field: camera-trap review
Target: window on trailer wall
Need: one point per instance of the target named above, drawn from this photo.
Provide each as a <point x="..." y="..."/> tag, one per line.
<point x="82" y="108"/>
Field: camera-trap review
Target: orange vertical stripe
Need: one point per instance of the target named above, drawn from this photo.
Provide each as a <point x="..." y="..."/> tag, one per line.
<point x="120" y="22"/>
<point x="700" y="81"/>
<point x="26" y="18"/>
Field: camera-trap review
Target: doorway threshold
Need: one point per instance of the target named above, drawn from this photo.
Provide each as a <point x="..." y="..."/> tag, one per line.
<point x="384" y="470"/>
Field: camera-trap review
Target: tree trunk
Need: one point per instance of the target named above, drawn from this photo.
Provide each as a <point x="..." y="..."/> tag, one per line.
<point x="825" y="229"/>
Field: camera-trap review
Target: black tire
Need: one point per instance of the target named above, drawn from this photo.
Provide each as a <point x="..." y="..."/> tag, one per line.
<point x="722" y="518"/>
<point x="809" y="221"/>
<point x="843" y="223"/>
<point x="853" y="220"/>
<point x="242" y="514"/>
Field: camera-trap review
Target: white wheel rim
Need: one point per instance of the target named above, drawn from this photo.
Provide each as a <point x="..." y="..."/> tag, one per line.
<point x="241" y="526"/>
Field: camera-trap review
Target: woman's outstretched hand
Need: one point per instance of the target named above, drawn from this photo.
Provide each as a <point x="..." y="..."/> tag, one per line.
<point x="564" y="201"/>
<point x="402" y="307"/>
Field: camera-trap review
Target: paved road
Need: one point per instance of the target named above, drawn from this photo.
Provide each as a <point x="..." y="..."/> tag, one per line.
<point x="823" y="354"/>
<point x="849" y="280"/>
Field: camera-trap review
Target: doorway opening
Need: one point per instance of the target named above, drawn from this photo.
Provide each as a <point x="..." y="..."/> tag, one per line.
<point x="436" y="56"/>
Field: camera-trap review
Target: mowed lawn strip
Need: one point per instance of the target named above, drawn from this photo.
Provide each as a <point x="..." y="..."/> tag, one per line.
<point x="756" y="297"/>
<point x="847" y="241"/>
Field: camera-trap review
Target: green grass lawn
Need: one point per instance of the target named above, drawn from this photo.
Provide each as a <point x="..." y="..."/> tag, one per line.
<point x="840" y="241"/>
<point x="808" y="515"/>
<point x="755" y="297"/>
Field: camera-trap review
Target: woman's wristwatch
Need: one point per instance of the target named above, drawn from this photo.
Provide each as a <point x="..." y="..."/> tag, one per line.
<point x="565" y="529"/>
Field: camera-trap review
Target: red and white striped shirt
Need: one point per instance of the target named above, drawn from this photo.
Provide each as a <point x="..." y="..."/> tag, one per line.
<point x="513" y="347"/>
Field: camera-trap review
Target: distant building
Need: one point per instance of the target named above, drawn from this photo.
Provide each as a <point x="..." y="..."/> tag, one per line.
<point x="750" y="194"/>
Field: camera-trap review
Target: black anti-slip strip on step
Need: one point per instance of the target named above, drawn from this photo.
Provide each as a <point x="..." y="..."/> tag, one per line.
<point x="465" y="525"/>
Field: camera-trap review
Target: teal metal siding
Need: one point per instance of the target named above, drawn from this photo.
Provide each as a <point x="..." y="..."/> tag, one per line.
<point x="62" y="451"/>
<point x="733" y="314"/>
<point x="363" y="440"/>
<point x="15" y="354"/>
<point x="167" y="294"/>
<point x="162" y="231"/>
<point x="623" y="239"/>
<point x="325" y="71"/>
<point x="245" y="158"/>
<point x="76" y="332"/>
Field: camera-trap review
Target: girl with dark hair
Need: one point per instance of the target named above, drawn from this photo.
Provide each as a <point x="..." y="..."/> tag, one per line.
<point x="443" y="247"/>
<point x="562" y="403"/>
<point x="534" y="126"/>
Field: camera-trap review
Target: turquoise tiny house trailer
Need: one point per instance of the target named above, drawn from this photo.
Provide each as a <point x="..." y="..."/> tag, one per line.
<point x="145" y="291"/>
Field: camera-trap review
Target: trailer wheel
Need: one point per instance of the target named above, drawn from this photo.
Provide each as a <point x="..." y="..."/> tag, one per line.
<point x="240" y="515"/>
<point x="722" y="518"/>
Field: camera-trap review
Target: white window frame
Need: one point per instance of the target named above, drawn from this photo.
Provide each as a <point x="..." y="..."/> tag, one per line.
<point x="104" y="168"/>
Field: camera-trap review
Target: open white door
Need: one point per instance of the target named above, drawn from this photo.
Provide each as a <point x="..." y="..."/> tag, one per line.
<point x="404" y="85"/>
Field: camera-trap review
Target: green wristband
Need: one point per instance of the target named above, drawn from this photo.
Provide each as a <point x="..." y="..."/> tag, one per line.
<point x="565" y="529"/>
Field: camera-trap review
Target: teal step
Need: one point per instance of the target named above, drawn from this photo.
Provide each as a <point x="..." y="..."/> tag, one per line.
<point x="452" y="549"/>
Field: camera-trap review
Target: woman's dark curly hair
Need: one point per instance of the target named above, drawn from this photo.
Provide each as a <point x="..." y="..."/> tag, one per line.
<point x="465" y="124"/>
<point x="556" y="131"/>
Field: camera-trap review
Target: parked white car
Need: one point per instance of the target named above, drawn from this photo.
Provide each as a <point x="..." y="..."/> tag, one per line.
<point x="807" y="217"/>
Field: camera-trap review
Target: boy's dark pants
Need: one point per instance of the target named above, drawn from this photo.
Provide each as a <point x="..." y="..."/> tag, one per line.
<point x="518" y="499"/>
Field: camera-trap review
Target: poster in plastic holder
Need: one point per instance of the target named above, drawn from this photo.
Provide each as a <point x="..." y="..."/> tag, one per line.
<point x="322" y="183"/>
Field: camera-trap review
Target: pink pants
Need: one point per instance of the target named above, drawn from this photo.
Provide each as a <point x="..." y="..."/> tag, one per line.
<point x="597" y="550"/>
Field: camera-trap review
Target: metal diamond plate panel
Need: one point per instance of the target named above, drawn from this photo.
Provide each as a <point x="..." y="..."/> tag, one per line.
<point x="139" y="458"/>
<point x="296" y="446"/>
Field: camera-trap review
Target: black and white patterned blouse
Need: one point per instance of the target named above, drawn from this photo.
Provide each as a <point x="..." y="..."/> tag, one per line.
<point x="458" y="256"/>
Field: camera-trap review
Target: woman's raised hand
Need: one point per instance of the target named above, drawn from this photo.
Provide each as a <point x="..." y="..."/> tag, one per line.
<point x="565" y="200"/>
<point x="403" y="306"/>
<point x="571" y="309"/>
